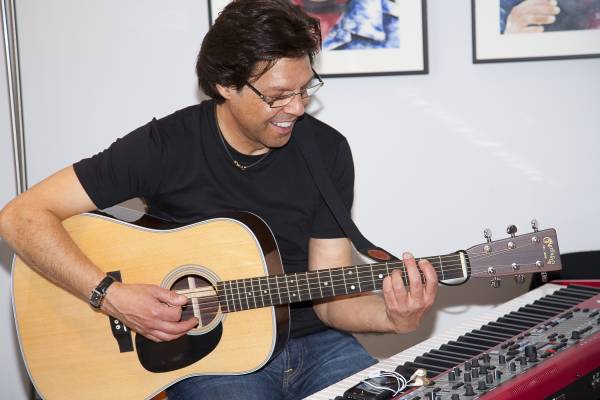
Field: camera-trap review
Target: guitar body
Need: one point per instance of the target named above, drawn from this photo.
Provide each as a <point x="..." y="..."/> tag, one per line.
<point x="70" y="350"/>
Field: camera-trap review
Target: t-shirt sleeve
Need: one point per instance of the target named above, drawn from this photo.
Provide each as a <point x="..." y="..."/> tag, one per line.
<point x="130" y="167"/>
<point x="342" y="175"/>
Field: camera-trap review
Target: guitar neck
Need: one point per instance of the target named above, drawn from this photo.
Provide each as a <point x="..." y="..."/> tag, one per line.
<point x="271" y="290"/>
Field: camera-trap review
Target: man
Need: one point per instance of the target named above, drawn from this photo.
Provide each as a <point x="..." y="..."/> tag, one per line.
<point x="236" y="151"/>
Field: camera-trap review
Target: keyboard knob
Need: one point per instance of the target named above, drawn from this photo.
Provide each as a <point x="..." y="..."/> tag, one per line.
<point x="575" y="335"/>
<point x="467" y="378"/>
<point x="482" y="370"/>
<point x="498" y="375"/>
<point x="531" y="353"/>
<point x="455" y="396"/>
<point x="512" y="366"/>
<point x="489" y="378"/>
<point x="502" y="359"/>
<point x="469" y="390"/>
<point x="451" y="376"/>
<point x="481" y="385"/>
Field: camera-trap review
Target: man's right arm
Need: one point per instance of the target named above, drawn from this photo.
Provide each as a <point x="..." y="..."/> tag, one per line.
<point x="32" y="225"/>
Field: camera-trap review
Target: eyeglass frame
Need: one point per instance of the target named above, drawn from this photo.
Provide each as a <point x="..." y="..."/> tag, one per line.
<point x="290" y="95"/>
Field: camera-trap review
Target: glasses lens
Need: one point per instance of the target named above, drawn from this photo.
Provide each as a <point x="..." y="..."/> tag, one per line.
<point x="312" y="88"/>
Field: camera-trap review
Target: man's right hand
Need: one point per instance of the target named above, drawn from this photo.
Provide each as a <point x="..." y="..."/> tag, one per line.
<point x="149" y="310"/>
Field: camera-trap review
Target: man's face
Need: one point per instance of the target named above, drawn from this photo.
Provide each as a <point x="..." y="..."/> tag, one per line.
<point x="249" y="124"/>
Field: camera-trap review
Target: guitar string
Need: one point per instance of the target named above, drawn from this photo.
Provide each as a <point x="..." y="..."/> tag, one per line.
<point x="286" y="295"/>
<point x="240" y="296"/>
<point x="443" y="268"/>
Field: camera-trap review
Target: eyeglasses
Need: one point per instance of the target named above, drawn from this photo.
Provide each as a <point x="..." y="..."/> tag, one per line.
<point x="281" y="101"/>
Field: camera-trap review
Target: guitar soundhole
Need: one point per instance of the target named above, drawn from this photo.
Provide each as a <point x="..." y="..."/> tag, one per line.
<point x="203" y="301"/>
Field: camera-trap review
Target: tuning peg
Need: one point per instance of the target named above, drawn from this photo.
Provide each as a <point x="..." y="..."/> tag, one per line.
<point x="511" y="229"/>
<point x="487" y="234"/>
<point x="520" y="279"/>
<point x="495" y="282"/>
<point x="534" y="225"/>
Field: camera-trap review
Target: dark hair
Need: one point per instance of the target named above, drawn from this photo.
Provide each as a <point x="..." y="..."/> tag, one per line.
<point x="251" y="31"/>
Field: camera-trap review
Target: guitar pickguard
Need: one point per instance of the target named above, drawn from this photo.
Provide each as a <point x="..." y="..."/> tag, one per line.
<point x="176" y="354"/>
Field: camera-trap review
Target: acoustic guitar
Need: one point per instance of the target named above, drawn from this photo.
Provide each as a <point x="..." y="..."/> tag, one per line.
<point x="231" y="271"/>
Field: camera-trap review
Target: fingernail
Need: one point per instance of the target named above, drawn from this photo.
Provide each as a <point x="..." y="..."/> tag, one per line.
<point x="407" y="254"/>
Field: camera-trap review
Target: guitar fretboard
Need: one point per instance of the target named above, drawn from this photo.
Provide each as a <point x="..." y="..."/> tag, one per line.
<point x="249" y="293"/>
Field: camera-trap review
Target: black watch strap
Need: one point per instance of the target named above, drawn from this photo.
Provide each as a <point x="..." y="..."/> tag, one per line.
<point x="99" y="292"/>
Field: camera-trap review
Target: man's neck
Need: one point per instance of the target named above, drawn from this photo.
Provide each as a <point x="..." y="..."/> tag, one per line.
<point x="231" y="132"/>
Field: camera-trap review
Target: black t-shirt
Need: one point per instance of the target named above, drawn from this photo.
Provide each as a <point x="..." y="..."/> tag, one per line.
<point x="179" y="166"/>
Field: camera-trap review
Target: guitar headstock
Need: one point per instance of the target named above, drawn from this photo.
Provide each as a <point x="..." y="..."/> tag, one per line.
<point x="516" y="255"/>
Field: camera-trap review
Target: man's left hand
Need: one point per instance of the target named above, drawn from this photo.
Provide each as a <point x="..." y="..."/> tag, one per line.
<point x="404" y="305"/>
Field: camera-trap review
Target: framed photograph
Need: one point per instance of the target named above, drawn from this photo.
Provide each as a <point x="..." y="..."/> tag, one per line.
<point x="365" y="37"/>
<point x="527" y="30"/>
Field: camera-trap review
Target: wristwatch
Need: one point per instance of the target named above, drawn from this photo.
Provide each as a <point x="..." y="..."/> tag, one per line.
<point x="99" y="292"/>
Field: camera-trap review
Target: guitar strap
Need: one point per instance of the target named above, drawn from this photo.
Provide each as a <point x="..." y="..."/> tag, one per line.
<point x="311" y="155"/>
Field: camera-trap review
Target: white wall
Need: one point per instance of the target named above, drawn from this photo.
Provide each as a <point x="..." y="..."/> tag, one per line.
<point x="13" y="380"/>
<point x="438" y="156"/>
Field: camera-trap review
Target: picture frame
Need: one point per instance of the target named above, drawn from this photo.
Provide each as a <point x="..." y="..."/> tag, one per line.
<point x="496" y="39"/>
<point x="403" y="51"/>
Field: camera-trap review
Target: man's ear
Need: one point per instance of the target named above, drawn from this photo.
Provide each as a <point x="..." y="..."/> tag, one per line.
<point x="226" y="91"/>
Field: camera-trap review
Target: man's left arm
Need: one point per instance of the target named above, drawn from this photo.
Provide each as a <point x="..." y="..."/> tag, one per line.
<point x="399" y="310"/>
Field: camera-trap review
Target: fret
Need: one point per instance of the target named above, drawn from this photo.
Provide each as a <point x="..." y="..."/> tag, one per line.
<point x="266" y="291"/>
<point x="278" y="289"/>
<point x="380" y="276"/>
<point x="220" y="298"/>
<point x="345" y="285"/>
<point x="372" y="269"/>
<point x="287" y="287"/>
<point x="293" y="280"/>
<point x="350" y="279"/>
<point x="365" y="282"/>
<point x="441" y="267"/>
<point x="304" y="293"/>
<point x="253" y="292"/>
<point x="320" y="284"/>
<point x="326" y="285"/>
<point x="274" y="289"/>
<point x="357" y="278"/>
<point x="260" y="290"/>
<point x="237" y="287"/>
<point x="403" y="273"/>
<point x="284" y="293"/>
<point x="227" y="296"/>
<point x="331" y="283"/>
<point x="246" y="294"/>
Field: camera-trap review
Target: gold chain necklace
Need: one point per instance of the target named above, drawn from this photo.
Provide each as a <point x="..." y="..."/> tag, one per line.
<point x="235" y="162"/>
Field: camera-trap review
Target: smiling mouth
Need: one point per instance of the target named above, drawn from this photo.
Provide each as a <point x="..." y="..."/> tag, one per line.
<point x="283" y="124"/>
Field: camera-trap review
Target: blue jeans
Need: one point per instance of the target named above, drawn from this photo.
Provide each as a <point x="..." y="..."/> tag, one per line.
<point x="305" y="366"/>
